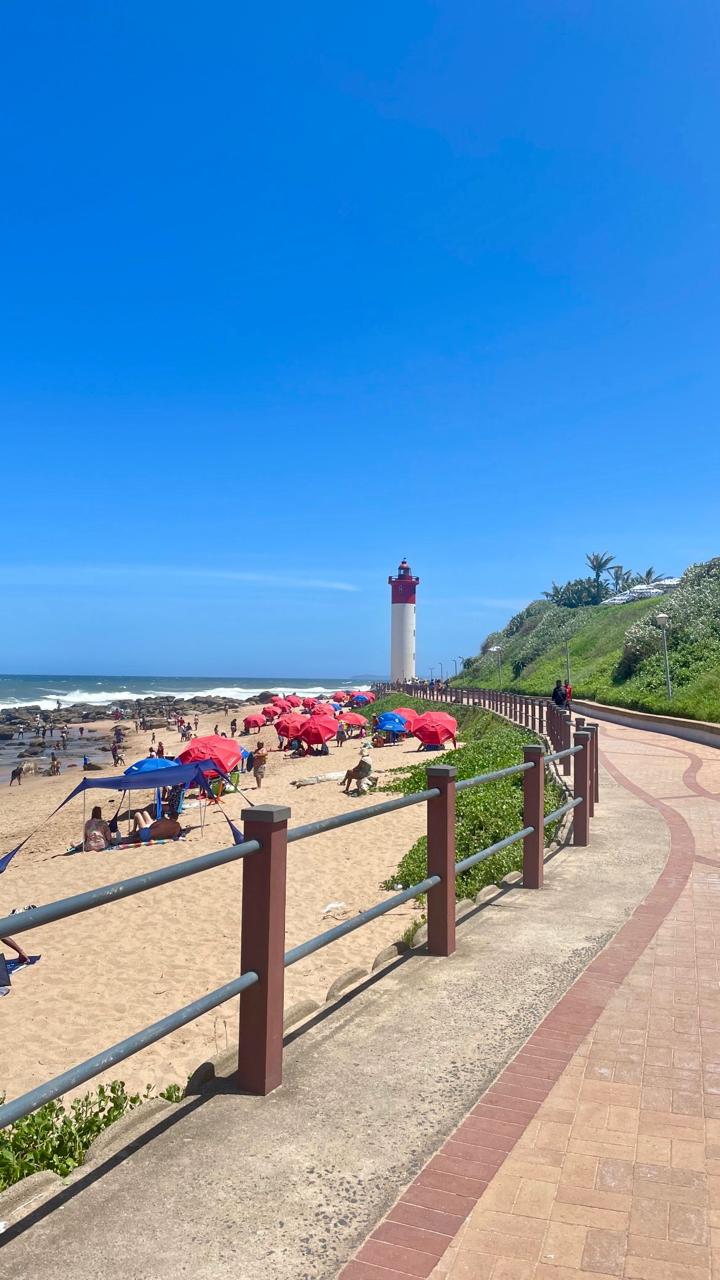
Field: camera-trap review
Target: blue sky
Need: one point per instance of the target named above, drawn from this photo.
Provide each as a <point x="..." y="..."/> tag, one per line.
<point x="289" y="295"/>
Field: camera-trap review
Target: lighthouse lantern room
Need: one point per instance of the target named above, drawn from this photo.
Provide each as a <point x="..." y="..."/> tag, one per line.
<point x="402" y="623"/>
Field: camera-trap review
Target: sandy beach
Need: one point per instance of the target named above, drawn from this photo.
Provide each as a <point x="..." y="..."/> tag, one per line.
<point x="111" y="971"/>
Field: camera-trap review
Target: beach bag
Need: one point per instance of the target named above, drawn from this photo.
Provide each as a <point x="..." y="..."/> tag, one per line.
<point x="250" y="763"/>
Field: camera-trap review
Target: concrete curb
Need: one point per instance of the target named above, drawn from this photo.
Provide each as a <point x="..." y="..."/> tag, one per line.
<point x="702" y="731"/>
<point x="39" y="1186"/>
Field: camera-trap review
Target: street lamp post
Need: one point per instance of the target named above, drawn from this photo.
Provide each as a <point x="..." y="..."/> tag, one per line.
<point x="662" y="620"/>
<point x="441" y="671"/>
<point x="456" y="660"/>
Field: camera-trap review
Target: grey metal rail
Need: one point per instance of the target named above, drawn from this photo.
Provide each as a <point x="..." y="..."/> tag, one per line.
<point x="27" y="1102"/>
<point x="359" y="815"/>
<point x="492" y="777"/>
<point x="474" y="858"/>
<point x="564" y="808"/>
<point x="64" y="907"/>
<point x="356" y="922"/>
<point x="561" y="755"/>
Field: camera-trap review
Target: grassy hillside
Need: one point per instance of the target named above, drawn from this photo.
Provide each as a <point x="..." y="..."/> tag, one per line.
<point x="615" y="650"/>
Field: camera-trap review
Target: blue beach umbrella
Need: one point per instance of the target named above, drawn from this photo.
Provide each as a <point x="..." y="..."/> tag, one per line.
<point x="391" y="723"/>
<point x="151" y="765"/>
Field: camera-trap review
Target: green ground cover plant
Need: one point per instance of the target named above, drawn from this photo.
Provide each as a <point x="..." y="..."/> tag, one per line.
<point x="485" y="814"/>
<point x="57" y="1138"/>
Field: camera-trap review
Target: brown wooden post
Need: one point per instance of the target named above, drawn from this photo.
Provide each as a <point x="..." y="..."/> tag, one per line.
<point x="593" y="731"/>
<point x="541" y="715"/>
<point x="262" y="949"/>
<point x="533" y="814"/>
<point x="581" y="787"/>
<point x="441" y="860"/>
<point x="567" y="741"/>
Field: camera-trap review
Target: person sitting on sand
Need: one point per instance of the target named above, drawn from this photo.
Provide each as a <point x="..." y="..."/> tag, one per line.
<point x="146" y="828"/>
<point x="97" y="834"/>
<point x="360" y="773"/>
<point x="22" y="956"/>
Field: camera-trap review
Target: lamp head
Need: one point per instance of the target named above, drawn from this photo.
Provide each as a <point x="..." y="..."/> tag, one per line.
<point x="662" y="619"/>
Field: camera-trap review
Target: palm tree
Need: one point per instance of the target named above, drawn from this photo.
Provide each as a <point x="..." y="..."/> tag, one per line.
<point x="599" y="562"/>
<point x="622" y="579"/>
<point x="554" y="593"/>
<point x="648" y="577"/>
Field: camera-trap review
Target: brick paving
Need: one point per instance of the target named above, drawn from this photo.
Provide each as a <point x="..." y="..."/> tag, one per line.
<point x="596" y="1152"/>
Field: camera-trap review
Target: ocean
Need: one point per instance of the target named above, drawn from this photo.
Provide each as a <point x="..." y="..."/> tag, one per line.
<point x="47" y="691"/>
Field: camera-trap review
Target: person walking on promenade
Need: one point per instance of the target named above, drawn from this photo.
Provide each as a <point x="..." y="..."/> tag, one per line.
<point x="558" y="694"/>
<point x="568" y="693"/>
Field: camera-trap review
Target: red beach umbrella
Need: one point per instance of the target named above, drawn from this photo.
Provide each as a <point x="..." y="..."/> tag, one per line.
<point x="293" y="699"/>
<point x="309" y="703"/>
<point x="435" y="727"/>
<point x="315" y="731"/>
<point x="438" y="717"/>
<point x="353" y="718"/>
<point x="271" y="711"/>
<point x="433" y="735"/>
<point x="282" y="703"/>
<point x="255" y="721"/>
<point x="290" y="725"/>
<point x="341" y="695"/>
<point x="224" y="752"/>
<point x="322" y="710"/>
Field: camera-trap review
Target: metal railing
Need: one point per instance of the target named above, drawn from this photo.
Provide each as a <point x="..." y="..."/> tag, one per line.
<point x="263" y="957"/>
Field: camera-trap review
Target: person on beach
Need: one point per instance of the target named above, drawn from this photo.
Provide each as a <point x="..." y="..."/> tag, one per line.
<point x="22" y="956"/>
<point x="146" y="828"/>
<point x="259" y="764"/>
<point x="160" y="750"/>
<point x="82" y="730"/>
<point x="233" y="727"/>
<point x="568" y="693"/>
<point x="558" y="694"/>
<point x="196" y="722"/>
<point x="54" y="765"/>
<point x="97" y="834"/>
<point x="341" y="735"/>
<point x="360" y="774"/>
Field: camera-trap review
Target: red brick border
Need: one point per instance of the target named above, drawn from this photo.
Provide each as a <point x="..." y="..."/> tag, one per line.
<point x="414" y="1235"/>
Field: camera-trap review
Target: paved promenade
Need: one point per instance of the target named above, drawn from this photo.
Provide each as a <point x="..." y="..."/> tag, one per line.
<point x="596" y="1152"/>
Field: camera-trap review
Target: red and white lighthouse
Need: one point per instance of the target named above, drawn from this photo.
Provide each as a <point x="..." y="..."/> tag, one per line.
<point x="402" y="624"/>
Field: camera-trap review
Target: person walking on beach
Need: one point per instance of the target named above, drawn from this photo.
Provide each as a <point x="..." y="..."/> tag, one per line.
<point x="196" y="722"/>
<point x="233" y="727"/>
<point x="341" y="735"/>
<point x="259" y="764"/>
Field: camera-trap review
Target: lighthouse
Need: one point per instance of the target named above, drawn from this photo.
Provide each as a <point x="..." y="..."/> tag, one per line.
<point x="402" y="623"/>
